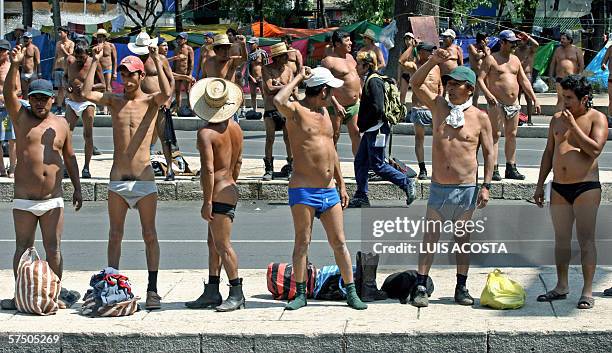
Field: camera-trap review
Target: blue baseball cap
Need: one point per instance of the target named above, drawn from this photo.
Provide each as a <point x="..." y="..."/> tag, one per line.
<point x="183" y="35"/>
<point x="41" y="86"/>
<point x="27" y="35"/>
<point x="508" y="35"/>
<point x="209" y="35"/>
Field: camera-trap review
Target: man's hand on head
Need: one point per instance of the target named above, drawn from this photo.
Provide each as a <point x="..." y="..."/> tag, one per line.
<point x="153" y="52"/>
<point x="17" y="54"/>
<point x="440" y="56"/>
<point x="306" y="72"/>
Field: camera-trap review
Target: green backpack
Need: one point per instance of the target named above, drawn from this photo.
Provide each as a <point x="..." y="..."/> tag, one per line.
<point x="395" y="111"/>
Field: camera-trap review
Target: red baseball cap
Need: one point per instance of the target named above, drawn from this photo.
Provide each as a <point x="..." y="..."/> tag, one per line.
<point x="132" y="63"/>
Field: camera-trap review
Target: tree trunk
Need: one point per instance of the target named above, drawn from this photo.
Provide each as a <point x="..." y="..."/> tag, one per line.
<point x="323" y="17"/>
<point x="403" y="10"/>
<point x="178" y="15"/>
<point x="597" y="9"/>
<point x="529" y="12"/>
<point x="27" y="13"/>
<point x="57" y="19"/>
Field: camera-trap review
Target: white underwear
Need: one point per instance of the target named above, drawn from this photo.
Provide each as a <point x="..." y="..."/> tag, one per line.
<point x="38" y="207"/>
<point x="132" y="191"/>
<point x="79" y="107"/>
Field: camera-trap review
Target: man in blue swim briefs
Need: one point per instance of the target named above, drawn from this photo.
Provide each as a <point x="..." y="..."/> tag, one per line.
<point x="458" y="129"/>
<point x="312" y="190"/>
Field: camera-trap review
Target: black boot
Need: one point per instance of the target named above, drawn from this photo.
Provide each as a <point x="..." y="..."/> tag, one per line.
<point x="234" y="301"/>
<point x="496" y="176"/>
<point x="209" y="299"/>
<point x="269" y="163"/>
<point x="513" y="173"/>
<point x="358" y="277"/>
<point x="369" y="290"/>
<point x="287" y="169"/>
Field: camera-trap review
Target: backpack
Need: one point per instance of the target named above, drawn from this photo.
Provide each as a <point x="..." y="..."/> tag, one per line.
<point x="329" y="284"/>
<point x="281" y="281"/>
<point x="37" y="287"/>
<point x="395" y="110"/>
<point x="401" y="285"/>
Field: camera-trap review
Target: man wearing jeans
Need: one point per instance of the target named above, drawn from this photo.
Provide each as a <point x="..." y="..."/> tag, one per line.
<point x="375" y="128"/>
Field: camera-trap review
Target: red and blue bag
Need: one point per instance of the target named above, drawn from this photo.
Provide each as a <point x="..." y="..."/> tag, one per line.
<point x="281" y="281"/>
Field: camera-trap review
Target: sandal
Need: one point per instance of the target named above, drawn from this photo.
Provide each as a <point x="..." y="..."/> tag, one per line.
<point x="551" y="296"/>
<point x="608" y="292"/>
<point x="586" y="302"/>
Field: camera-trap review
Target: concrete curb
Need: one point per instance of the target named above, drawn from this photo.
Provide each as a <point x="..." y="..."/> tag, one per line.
<point x="97" y="190"/>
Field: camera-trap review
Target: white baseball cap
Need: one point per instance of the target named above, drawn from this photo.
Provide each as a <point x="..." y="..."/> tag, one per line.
<point x="449" y="33"/>
<point x="320" y="76"/>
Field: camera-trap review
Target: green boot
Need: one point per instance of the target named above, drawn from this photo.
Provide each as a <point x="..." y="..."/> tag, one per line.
<point x="353" y="299"/>
<point x="300" y="297"/>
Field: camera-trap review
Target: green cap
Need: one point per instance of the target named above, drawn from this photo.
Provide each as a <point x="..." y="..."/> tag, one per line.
<point x="461" y="73"/>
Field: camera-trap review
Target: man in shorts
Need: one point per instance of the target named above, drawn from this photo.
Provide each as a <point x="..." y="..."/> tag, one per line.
<point x="30" y="68"/>
<point x="63" y="49"/>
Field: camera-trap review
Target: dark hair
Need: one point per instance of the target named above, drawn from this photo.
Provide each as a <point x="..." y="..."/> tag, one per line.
<point x="63" y="29"/>
<point x="287" y="38"/>
<point x="314" y="91"/>
<point x="81" y="47"/>
<point x="338" y="36"/>
<point x="481" y="36"/>
<point x="232" y="31"/>
<point x="580" y="86"/>
<point x="568" y="36"/>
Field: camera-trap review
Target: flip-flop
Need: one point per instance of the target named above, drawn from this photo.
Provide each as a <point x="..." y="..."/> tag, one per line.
<point x="551" y="296"/>
<point x="608" y="292"/>
<point x="588" y="302"/>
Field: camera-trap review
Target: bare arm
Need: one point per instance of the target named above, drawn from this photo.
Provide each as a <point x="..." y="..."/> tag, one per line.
<point x="238" y="165"/>
<point x="593" y="143"/>
<point x="606" y="58"/>
<point x="72" y="167"/>
<point x="67" y="49"/>
<point x="114" y="58"/>
<point x="580" y="60"/>
<point x="553" y="65"/>
<point x="381" y="59"/>
<point x="164" y="85"/>
<point x="459" y="56"/>
<point x="11" y="100"/>
<point x="281" y="99"/>
<point x="169" y="74"/>
<point x="344" y="198"/>
<point x="190" y="62"/>
<point x="526" y="84"/>
<point x="200" y="67"/>
<point x="482" y="74"/>
<point x="207" y="171"/>
<point x="37" y="60"/>
<point x="267" y="83"/>
<point x="300" y="60"/>
<point x="423" y="93"/>
<point x="486" y="141"/>
<point x="545" y="164"/>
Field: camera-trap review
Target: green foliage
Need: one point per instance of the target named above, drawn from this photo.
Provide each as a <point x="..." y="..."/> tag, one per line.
<point x="275" y="11"/>
<point x="460" y="7"/>
<point x="374" y="11"/>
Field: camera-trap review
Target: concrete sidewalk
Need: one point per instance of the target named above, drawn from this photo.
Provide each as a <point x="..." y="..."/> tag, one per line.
<point x="386" y="326"/>
<point x="187" y="188"/>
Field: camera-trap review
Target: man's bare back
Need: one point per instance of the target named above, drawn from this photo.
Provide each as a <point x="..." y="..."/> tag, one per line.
<point x="345" y="70"/>
<point x="222" y="69"/>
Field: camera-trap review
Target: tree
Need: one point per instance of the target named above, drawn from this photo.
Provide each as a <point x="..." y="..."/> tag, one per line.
<point x="28" y="13"/>
<point x="374" y="11"/>
<point x="57" y="20"/>
<point x="403" y="10"/>
<point x="178" y="15"/>
<point x="274" y="11"/>
<point x="148" y="16"/>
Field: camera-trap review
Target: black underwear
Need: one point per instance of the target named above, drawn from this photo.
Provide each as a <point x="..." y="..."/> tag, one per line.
<point x="570" y="192"/>
<point x="225" y="209"/>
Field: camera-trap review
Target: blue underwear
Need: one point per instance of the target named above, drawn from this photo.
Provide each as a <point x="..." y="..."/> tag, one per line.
<point x="107" y="71"/>
<point x="451" y="201"/>
<point x="321" y="199"/>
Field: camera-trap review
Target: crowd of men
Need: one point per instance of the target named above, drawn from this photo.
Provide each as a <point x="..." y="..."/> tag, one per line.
<point x="343" y="90"/>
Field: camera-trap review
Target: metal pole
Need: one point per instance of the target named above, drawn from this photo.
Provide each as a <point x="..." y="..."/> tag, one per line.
<point x="2" y="19"/>
<point x="84" y="7"/>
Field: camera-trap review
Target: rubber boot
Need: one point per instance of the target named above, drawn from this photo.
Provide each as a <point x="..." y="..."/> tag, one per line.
<point x="496" y="176"/>
<point x="234" y="301"/>
<point x="513" y="173"/>
<point x="209" y="299"/>
<point x="300" y="297"/>
<point x="352" y="299"/>
<point x="287" y="169"/>
<point x="358" y="277"/>
<point x="269" y="164"/>
<point x="369" y="289"/>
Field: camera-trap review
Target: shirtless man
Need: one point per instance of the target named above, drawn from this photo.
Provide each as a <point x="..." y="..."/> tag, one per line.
<point x="236" y="50"/>
<point x="409" y="55"/>
<point x="220" y="146"/>
<point x="500" y="78"/>
<point x="459" y="129"/>
<point x="567" y="60"/>
<point x="76" y="105"/>
<point x="477" y="52"/>
<point x="448" y="39"/>
<point x="420" y="115"/>
<point x="108" y="62"/>
<point x="150" y="85"/>
<point x="369" y="44"/>
<point x="206" y="52"/>
<point x="312" y="190"/>
<point x="183" y="67"/>
<point x="7" y="131"/>
<point x="132" y="182"/>
<point x="526" y="51"/>
<point x="63" y="49"/>
<point x="605" y="65"/>
<point x="345" y="100"/>
<point x="257" y="57"/>
<point x="275" y="76"/>
<point x="43" y="141"/>
<point x="30" y="68"/>
<point x="295" y="60"/>
<point x="576" y="138"/>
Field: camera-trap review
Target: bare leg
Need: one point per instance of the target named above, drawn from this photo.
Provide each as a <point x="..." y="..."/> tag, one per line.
<point x="419" y="142"/>
<point x="302" y="224"/>
<point x="25" y="233"/>
<point x="87" y="117"/>
<point x="510" y="130"/>
<point x="166" y="148"/>
<point x="497" y="124"/>
<point x="12" y="157"/>
<point x="286" y="140"/>
<point x="221" y="231"/>
<point x="177" y="95"/>
<point x="563" y="220"/>
<point x="403" y="90"/>
<point x="354" y="135"/>
<point x="609" y="98"/>
<point x="71" y="117"/>
<point x="3" y="171"/>
<point x="253" y="89"/>
<point x="214" y="260"/>
<point x="147" y="209"/>
<point x="585" y="210"/>
<point x="117" y="209"/>
<point x="431" y="237"/>
<point x="270" y="135"/>
<point x="333" y="223"/>
<point x="51" y="227"/>
<point x="463" y="259"/>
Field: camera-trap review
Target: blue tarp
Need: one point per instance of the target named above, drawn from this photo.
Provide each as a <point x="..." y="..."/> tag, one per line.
<point x="598" y="75"/>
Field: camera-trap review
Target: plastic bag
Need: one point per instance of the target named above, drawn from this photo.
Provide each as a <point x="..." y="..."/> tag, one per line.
<point x="539" y="86"/>
<point x="501" y="292"/>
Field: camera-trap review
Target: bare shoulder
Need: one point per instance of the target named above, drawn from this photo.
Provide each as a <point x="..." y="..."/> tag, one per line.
<point x="597" y="117"/>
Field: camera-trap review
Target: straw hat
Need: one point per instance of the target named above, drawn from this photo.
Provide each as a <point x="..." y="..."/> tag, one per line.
<point x="214" y="99"/>
<point x="142" y="43"/>
<point x="369" y="33"/>
<point x="102" y="32"/>
<point x="278" y="49"/>
<point x="221" y="39"/>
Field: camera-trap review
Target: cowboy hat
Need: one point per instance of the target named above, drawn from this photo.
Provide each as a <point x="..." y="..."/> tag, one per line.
<point x="221" y="39"/>
<point x="142" y="43"/>
<point x="102" y="32"/>
<point x="278" y="49"/>
<point x="214" y="99"/>
<point x="369" y="33"/>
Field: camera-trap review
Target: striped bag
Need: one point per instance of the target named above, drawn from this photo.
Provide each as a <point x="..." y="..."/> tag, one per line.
<point x="37" y="287"/>
<point x="281" y="281"/>
<point x="125" y="308"/>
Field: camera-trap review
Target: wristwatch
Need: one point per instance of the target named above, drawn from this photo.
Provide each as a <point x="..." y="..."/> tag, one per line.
<point x="486" y="186"/>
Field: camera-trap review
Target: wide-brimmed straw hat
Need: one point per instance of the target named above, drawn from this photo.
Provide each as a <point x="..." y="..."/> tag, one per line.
<point x="142" y="43"/>
<point x="221" y="39"/>
<point x="369" y="33"/>
<point x="102" y="32"/>
<point x="214" y="99"/>
<point x="278" y="49"/>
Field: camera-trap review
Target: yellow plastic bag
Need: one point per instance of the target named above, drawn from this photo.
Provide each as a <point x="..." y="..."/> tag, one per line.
<point x="501" y="292"/>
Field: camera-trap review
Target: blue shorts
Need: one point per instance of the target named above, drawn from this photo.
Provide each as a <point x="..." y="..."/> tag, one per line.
<point x="321" y="199"/>
<point x="420" y="116"/>
<point x="107" y="71"/>
<point x="453" y="200"/>
<point x="7" y="132"/>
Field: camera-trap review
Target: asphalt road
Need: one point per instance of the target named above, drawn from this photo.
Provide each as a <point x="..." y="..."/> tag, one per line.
<point x="263" y="233"/>
<point x="529" y="151"/>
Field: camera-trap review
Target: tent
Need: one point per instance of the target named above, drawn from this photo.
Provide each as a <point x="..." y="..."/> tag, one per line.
<point x="593" y="70"/>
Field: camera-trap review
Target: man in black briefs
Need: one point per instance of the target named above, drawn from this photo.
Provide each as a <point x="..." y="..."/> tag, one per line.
<point x="576" y="137"/>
